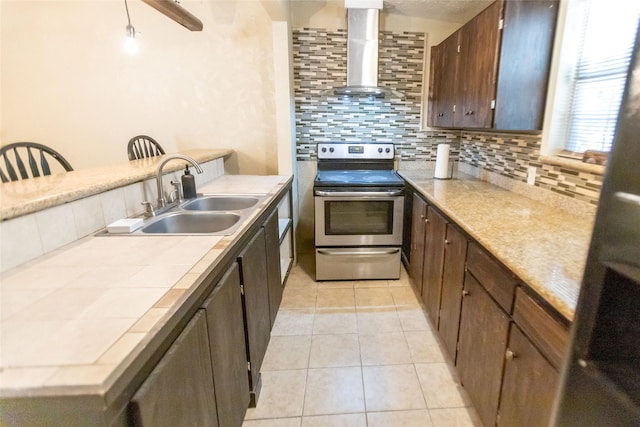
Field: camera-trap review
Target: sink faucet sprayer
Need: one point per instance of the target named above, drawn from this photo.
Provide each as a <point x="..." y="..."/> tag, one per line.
<point x="161" y="200"/>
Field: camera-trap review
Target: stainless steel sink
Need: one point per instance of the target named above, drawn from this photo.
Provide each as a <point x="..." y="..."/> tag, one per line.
<point x="213" y="214"/>
<point x="192" y="223"/>
<point x="220" y="203"/>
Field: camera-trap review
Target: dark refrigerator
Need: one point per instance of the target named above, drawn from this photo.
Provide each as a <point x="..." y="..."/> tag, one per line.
<point x="600" y="383"/>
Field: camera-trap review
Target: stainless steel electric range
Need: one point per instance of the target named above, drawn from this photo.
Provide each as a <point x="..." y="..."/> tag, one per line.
<point x="359" y="204"/>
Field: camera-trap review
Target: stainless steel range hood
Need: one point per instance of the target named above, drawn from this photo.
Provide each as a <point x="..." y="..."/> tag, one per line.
<point x="362" y="57"/>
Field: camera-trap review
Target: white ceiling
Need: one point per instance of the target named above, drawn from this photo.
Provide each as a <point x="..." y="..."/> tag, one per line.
<point x="440" y="10"/>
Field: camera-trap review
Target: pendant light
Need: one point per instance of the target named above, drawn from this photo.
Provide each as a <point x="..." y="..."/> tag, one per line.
<point x="130" y="44"/>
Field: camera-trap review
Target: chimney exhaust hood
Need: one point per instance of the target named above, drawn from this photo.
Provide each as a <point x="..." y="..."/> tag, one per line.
<point x="362" y="56"/>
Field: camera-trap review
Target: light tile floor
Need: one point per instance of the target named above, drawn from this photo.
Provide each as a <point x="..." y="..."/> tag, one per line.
<point x="356" y="354"/>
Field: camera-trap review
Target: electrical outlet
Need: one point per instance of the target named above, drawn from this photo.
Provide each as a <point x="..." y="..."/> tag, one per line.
<point x="531" y="175"/>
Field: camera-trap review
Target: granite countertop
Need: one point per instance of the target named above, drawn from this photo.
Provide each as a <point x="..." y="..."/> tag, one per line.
<point x="32" y="195"/>
<point x="73" y="319"/>
<point x="544" y="246"/>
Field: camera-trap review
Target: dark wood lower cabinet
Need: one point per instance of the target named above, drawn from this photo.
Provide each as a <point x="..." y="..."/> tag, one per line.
<point x="469" y="296"/>
<point x="529" y="384"/>
<point x="433" y="262"/>
<point x="179" y="391"/>
<point x="418" y="227"/>
<point x="482" y="344"/>
<point x="455" y="252"/>
<point x="272" y="242"/>
<point x="225" y="325"/>
<point x="253" y="273"/>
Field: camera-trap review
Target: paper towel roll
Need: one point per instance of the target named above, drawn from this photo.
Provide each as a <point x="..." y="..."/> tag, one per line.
<point x="442" y="162"/>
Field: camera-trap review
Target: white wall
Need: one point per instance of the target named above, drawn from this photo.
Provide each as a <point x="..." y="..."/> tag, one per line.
<point x="331" y="14"/>
<point x="67" y="82"/>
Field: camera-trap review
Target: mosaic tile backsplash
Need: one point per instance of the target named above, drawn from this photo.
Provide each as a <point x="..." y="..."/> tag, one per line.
<point x="510" y="155"/>
<point x="320" y="63"/>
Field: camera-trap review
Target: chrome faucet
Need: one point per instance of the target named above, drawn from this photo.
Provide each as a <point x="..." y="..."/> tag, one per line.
<point x="161" y="200"/>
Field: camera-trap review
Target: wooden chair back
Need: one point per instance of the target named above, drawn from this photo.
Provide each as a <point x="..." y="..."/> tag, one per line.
<point x="24" y="160"/>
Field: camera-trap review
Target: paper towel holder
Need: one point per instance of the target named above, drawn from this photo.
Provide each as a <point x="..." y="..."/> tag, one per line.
<point x="451" y="164"/>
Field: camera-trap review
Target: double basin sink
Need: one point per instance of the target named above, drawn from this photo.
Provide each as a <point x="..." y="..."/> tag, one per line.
<point x="207" y="214"/>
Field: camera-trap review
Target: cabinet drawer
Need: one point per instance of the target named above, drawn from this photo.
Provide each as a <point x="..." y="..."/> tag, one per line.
<point x="498" y="281"/>
<point x="549" y="335"/>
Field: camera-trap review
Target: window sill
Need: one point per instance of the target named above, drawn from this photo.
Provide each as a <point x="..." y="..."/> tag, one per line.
<point x="573" y="164"/>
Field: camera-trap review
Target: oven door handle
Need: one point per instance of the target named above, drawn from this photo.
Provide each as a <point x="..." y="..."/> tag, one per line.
<point x="356" y="253"/>
<point x="389" y="193"/>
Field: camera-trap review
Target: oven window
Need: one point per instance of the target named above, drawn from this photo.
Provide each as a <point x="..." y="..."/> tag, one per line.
<point x="358" y="217"/>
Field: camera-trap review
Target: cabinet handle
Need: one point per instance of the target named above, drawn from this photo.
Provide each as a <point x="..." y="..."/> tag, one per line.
<point x="465" y="293"/>
<point x="446" y="242"/>
<point x="510" y="355"/>
<point x="440" y="114"/>
<point x="469" y="113"/>
<point x="426" y="221"/>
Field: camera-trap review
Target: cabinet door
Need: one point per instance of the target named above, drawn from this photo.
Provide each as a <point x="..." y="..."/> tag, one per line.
<point x="482" y="344"/>
<point x="253" y="271"/>
<point x="228" y="352"/>
<point x="435" y="76"/>
<point x="455" y="252"/>
<point x="433" y="261"/>
<point x="443" y="83"/>
<point x="529" y="385"/>
<point x="272" y="241"/>
<point x="418" y="227"/>
<point x="179" y="391"/>
<point x="525" y="59"/>
<point x="407" y="224"/>
<point x="479" y="44"/>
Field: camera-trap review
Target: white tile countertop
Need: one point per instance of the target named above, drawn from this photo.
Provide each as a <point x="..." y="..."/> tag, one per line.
<point x="545" y="247"/>
<point x="72" y="319"/>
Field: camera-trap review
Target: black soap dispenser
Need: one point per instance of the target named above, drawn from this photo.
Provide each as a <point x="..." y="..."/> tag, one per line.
<point x="188" y="184"/>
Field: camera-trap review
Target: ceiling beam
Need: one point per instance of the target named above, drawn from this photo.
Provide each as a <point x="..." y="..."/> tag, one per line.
<point x="176" y="12"/>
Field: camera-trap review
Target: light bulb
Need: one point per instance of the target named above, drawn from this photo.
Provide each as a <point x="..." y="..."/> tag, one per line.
<point x="130" y="44"/>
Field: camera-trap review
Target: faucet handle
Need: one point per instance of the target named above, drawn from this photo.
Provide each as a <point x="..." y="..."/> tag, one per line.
<point x="177" y="191"/>
<point x="148" y="209"/>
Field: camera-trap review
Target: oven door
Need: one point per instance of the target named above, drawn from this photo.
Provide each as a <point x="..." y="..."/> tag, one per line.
<point x="358" y="218"/>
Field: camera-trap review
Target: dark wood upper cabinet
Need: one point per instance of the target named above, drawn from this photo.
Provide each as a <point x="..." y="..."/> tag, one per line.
<point x="433" y="262"/>
<point x="455" y="252"/>
<point x="527" y="43"/>
<point x="503" y="63"/>
<point x="443" y="84"/>
<point x="479" y="43"/>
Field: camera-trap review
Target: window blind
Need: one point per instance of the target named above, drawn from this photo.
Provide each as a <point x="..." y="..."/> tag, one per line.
<point x="608" y="32"/>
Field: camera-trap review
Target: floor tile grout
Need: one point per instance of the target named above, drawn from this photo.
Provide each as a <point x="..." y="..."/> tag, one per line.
<point x="299" y="284"/>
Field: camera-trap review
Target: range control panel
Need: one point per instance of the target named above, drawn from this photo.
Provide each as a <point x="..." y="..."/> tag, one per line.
<point x="355" y="150"/>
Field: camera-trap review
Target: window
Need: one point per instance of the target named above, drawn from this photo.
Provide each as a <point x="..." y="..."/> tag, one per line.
<point x="597" y="42"/>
